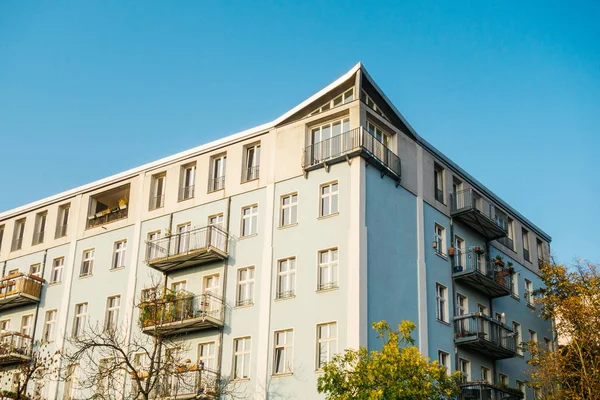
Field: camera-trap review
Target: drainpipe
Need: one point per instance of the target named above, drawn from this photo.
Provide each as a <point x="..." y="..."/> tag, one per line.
<point x="452" y="263"/>
<point x="224" y="290"/>
<point x="168" y="248"/>
<point x="37" y="308"/>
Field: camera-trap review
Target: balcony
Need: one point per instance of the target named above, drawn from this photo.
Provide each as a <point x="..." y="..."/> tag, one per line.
<point x="194" y="382"/>
<point x="487" y="391"/>
<point x="15" y="347"/>
<point x="473" y="210"/>
<point x="478" y="332"/>
<point x="356" y="142"/>
<point x="107" y="207"/>
<point x="194" y="247"/>
<point x="176" y="313"/>
<point x="20" y="289"/>
<point x="492" y="277"/>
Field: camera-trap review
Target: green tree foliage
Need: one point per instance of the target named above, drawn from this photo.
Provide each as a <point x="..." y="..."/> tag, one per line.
<point x="397" y="372"/>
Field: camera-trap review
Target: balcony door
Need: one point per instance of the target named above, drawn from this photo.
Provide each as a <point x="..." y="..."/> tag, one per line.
<point x="217" y="239"/>
<point x="484" y="328"/>
<point x="183" y="238"/>
<point x="211" y="285"/>
<point x="460" y="254"/>
<point x="462" y="308"/>
<point x="381" y="142"/>
<point x="328" y="141"/>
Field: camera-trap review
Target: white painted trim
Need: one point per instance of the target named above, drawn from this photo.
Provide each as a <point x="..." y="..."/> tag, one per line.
<point x="421" y="266"/>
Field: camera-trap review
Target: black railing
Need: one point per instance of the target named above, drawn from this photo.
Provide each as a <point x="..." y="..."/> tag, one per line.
<point x="250" y="174"/>
<point x="157" y="202"/>
<point x="61" y="231"/>
<point x="217" y="183"/>
<point x="477" y="261"/>
<point x="106" y="217"/>
<point x="358" y="139"/>
<point x="469" y="199"/>
<point x="488" y="391"/>
<point x="186" y="242"/>
<point x="186" y="192"/>
<point x="481" y="327"/>
<point x="507" y="242"/>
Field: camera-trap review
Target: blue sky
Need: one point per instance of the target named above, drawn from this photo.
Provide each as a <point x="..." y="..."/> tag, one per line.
<point x="509" y="90"/>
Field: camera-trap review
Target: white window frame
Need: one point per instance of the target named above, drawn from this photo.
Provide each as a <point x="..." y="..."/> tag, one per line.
<point x="242" y="357"/>
<point x="41" y="219"/>
<point x="245" y="286"/>
<point x="111" y="319"/>
<point x="327" y="345"/>
<point x="286" y="278"/>
<point x="329" y="269"/>
<point x="57" y="270"/>
<point x="187" y="184"/>
<point x="329" y="199"/>
<point x="158" y="190"/>
<point x="249" y="226"/>
<point x="503" y="378"/>
<point x="441" y="301"/>
<point x="485" y="371"/>
<point x="119" y="253"/>
<point x="283" y="343"/>
<point x="464" y="366"/>
<point x="4" y="325"/>
<point x="178" y="286"/>
<point x="79" y="319"/>
<point x="289" y="211"/>
<point x="443" y="360"/>
<point x="49" y="325"/>
<point x="210" y="358"/>
<point x="35" y="269"/>
<point x="87" y="258"/>
<point x="251" y="169"/>
<point x="27" y="325"/>
<point x="218" y="170"/>
<point x="529" y="299"/>
<point x="517" y="329"/>
<point x="440" y="238"/>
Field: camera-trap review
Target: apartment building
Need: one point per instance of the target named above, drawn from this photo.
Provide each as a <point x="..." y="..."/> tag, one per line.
<point x="287" y="241"/>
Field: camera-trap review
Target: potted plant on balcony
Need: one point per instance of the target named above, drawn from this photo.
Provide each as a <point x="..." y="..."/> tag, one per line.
<point x="511" y="270"/>
<point x="478" y="250"/>
<point x="499" y="261"/>
<point x="122" y="204"/>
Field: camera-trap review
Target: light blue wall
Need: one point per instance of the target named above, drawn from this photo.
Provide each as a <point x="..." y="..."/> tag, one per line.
<point x="391" y="254"/>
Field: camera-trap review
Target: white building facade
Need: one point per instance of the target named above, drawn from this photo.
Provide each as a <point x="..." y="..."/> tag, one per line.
<point x="288" y="240"/>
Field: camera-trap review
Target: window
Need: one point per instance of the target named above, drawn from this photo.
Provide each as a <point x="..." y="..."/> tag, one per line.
<point x="519" y="337"/>
<point x="328" y="269"/>
<point x="540" y="252"/>
<point x="49" y="325"/>
<point x="441" y="302"/>
<point x="245" y="292"/>
<point x="108" y="206"/>
<point x="187" y="182"/>
<point x="57" y="268"/>
<point x="35" y="269"/>
<point x="501" y="317"/>
<point x="460" y="255"/>
<point x="4" y="325"/>
<point x="529" y="292"/>
<point x="289" y="210"/>
<point x="326" y="343"/>
<point x="217" y="173"/>
<point x="503" y="379"/>
<point x="249" y="221"/>
<point x="182" y="241"/>
<point x="112" y="313"/>
<point x="87" y="263"/>
<point x="533" y="336"/>
<point x="369" y="102"/>
<point x="72" y="385"/>
<point x="119" y="254"/>
<point x="286" y="278"/>
<point x="18" y="235"/>
<point x="440" y="240"/>
<point x="63" y="221"/>
<point x="438" y="178"/>
<point x="157" y="191"/>
<point x="343" y="98"/>
<point x="457" y="187"/>
<point x="379" y="134"/>
<point x="177" y="287"/>
<point x="27" y="325"/>
<point x="241" y="358"/>
<point x="40" y="228"/>
<point x="462" y="305"/>
<point x="465" y="369"/>
<point x="1" y="235"/>
<point x="514" y="283"/>
<point x="444" y="360"/>
<point x="548" y="344"/>
<point x="522" y="388"/>
<point x="251" y="163"/>
<point x="16" y="382"/>
<point x="217" y="236"/>
<point x="327" y="140"/>
<point x="329" y="199"/>
<point x="509" y="241"/>
<point x="525" y="235"/>
<point x="206" y="354"/>
<point x="486" y="375"/>
<point x="153" y="251"/>
<point x="80" y="319"/>
<point x="283" y="354"/>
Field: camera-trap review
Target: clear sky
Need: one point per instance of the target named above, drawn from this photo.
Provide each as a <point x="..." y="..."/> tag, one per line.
<point x="510" y="90"/>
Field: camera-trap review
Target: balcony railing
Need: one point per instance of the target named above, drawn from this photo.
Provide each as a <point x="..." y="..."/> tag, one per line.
<point x="217" y="183"/>
<point x="197" y="246"/>
<point x="250" y="174"/>
<point x="507" y="242"/>
<point x="61" y="231"/>
<point x="469" y="207"/>
<point x="107" y="216"/>
<point x="481" y="333"/>
<point x="38" y="238"/>
<point x="355" y="142"/>
<point x="186" y="192"/>
<point x="157" y="202"/>
<point x="17" y="244"/>
<point x="475" y="269"/>
<point x="487" y="391"/>
<point x="439" y="195"/>
<point x="180" y="312"/>
<point x="14" y="347"/>
<point x="19" y="289"/>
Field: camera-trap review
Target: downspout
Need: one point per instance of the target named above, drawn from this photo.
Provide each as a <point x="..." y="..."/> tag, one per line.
<point x="37" y="308"/>
<point x="452" y="263"/>
<point x="225" y="265"/>
<point x="168" y="247"/>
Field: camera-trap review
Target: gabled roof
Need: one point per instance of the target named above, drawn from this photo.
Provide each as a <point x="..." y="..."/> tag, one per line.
<point x="398" y="120"/>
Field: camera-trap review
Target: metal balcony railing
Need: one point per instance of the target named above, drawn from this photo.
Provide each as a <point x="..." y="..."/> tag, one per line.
<point x="14" y="346"/>
<point x="186" y="192"/>
<point x="481" y="328"/>
<point x="107" y="216"/>
<point x="38" y="238"/>
<point x="357" y="141"/>
<point x="157" y="202"/>
<point x="439" y="195"/>
<point x="181" y="311"/>
<point x="17" y="243"/>
<point x="476" y="261"/>
<point x="488" y="391"/>
<point x="61" y="231"/>
<point x="507" y="242"/>
<point x="217" y="183"/>
<point x="250" y="174"/>
<point x="201" y="239"/>
<point x="473" y="209"/>
<point x="19" y="288"/>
